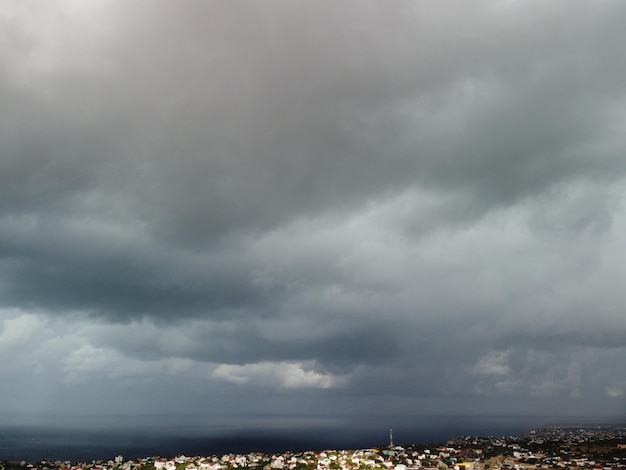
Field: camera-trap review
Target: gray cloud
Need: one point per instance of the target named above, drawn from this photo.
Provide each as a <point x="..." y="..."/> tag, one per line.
<point x="333" y="202"/>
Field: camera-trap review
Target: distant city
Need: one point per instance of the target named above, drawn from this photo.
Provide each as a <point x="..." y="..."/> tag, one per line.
<point x="554" y="447"/>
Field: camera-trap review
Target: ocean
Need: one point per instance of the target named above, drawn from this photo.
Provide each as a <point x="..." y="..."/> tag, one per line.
<point x="89" y="438"/>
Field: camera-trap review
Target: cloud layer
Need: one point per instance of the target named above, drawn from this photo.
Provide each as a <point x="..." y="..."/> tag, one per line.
<point x="306" y="206"/>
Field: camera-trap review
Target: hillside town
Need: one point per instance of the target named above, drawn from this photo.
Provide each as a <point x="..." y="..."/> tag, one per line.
<point x="580" y="448"/>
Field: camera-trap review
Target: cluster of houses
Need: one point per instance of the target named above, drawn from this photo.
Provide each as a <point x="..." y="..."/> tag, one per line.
<point x="558" y="447"/>
<point x="386" y="459"/>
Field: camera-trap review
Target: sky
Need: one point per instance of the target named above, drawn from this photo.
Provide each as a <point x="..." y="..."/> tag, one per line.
<point x="293" y="208"/>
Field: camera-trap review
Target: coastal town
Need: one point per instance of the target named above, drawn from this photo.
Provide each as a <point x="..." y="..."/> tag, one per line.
<point x="558" y="447"/>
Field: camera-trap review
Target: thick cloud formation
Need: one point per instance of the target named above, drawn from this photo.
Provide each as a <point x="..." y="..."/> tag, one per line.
<point x="313" y="206"/>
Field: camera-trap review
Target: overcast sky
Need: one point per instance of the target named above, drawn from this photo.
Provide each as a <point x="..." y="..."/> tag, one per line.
<point x="313" y="206"/>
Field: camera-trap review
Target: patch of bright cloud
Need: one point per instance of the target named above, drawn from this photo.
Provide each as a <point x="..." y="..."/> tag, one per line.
<point x="21" y="329"/>
<point x="279" y="374"/>
<point x="493" y="363"/>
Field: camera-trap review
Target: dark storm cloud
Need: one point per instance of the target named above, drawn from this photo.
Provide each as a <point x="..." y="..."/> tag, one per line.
<point x="111" y="282"/>
<point x="355" y="197"/>
<point x="218" y="119"/>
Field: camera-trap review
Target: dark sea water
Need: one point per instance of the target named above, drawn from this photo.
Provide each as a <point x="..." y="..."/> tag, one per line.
<point x="93" y="438"/>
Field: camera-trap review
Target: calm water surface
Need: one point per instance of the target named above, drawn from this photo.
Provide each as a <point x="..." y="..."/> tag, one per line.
<point x="93" y="438"/>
